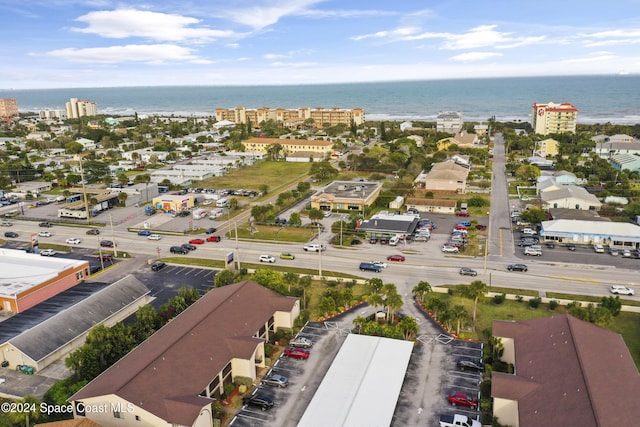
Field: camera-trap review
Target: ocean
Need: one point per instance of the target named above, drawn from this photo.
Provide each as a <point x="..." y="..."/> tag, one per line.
<point x="599" y="99"/>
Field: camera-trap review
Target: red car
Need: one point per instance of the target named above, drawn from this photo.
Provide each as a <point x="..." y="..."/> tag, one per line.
<point x="297" y="352"/>
<point x="462" y="213"/>
<point x="395" y="258"/>
<point x="481" y="227"/>
<point x="196" y="241"/>
<point x="461" y="399"/>
<point x="460" y="227"/>
<point x="214" y="238"/>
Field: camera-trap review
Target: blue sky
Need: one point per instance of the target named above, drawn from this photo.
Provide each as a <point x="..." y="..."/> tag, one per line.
<point x="103" y="43"/>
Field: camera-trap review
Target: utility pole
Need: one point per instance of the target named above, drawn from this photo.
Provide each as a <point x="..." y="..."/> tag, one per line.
<point x="319" y="253"/>
<point x="235" y="227"/>
<point x="113" y="237"/>
<point x="84" y="191"/>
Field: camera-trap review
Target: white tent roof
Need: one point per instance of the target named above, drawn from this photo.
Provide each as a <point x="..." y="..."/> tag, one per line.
<point x="362" y="385"/>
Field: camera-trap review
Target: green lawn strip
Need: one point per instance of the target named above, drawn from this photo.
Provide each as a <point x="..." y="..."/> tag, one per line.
<point x="627" y="325"/>
<point x="587" y="298"/>
<point x="275" y="233"/>
<point x="508" y="291"/>
<point x="272" y="174"/>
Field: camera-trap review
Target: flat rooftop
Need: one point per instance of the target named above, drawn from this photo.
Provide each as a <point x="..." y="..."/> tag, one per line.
<point x="351" y="189"/>
<point x="20" y="271"/>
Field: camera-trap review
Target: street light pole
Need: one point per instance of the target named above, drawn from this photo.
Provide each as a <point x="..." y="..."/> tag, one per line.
<point x="84" y="191"/>
<point x="319" y="253"/>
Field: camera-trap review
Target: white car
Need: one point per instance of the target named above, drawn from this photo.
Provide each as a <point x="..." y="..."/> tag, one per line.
<point x="267" y="258"/>
<point x="599" y="249"/>
<point x="450" y="249"/>
<point x="530" y="250"/>
<point x="379" y="264"/>
<point x="529" y="231"/>
<point x="6" y="223"/>
<point x="45" y="234"/>
<point x="327" y="214"/>
<point x="621" y="290"/>
<point x="154" y="237"/>
<point x="73" y="241"/>
<point x="47" y="252"/>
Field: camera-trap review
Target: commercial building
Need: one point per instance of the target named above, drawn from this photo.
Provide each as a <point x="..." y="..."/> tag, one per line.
<point x="365" y="370"/>
<point x="567" y="372"/>
<point x="446" y="206"/>
<point x="29" y="279"/>
<point x="289" y="146"/>
<point x="77" y="108"/>
<point x="173" y="377"/>
<point x="8" y="107"/>
<point x="445" y="177"/>
<point x="173" y="202"/>
<point x="385" y="226"/>
<point x="630" y="162"/>
<point x="620" y="234"/>
<point x="568" y="196"/>
<point x="293" y="118"/>
<point x="449" y="121"/>
<point x="52" y="329"/>
<point x="554" y="118"/>
<point x="346" y="196"/>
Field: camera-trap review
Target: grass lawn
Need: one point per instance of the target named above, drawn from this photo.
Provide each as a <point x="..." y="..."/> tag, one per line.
<point x="273" y="174"/>
<point x="275" y="233"/>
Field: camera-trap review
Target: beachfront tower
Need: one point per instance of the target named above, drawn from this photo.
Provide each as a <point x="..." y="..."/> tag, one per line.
<point x="554" y="118"/>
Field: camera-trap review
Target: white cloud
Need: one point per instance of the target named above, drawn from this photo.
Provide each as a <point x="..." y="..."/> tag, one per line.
<point x="594" y="57"/>
<point x="261" y="16"/>
<point x="474" y="56"/>
<point x="294" y="64"/>
<point x="398" y="34"/>
<point x="272" y="56"/>
<point x="124" y="23"/>
<point x="158" y="53"/>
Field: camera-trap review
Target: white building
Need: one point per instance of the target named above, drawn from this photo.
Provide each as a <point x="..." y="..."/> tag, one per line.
<point x="449" y="121"/>
<point x="80" y="108"/>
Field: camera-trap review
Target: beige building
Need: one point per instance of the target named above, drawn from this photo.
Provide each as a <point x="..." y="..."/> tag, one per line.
<point x="293" y="118"/>
<point x="449" y="121"/>
<point x="77" y="108"/>
<point x="444" y="177"/>
<point x="432" y="205"/>
<point x="172" y="378"/>
<point x="547" y="147"/>
<point x="554" y="118"/>
<point x="346" y="196"/>
<point x="8" y="107"/>
<point x="289" y="146"/>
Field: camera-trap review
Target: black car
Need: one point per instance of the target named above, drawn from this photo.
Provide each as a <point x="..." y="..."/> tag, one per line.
<point x="189" y="246"/>
<point x="466" y="271"/>
<point x="470" y="365"/>
<point x="211" y="230"/>
<point x="571" y="247"/>
<point x="94" y="231"/>
<point x="12" y="234"/>
<point x="107" y="243"/>
<point x="45" y="224"/>
<point x="261" y="401"/>
<point x="517" y="267"/>
<point x="157" y="266"/>
<point x="550" y="245"/>
<point x="528" y="241"/>
<point x="179" y="250"/>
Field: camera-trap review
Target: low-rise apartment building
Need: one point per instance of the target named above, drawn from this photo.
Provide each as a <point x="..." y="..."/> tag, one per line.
<point x="293" y="118"/>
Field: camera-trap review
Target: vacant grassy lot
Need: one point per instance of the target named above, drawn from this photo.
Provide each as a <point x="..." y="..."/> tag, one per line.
<point x="275" y="233"/>
<point x="272" y="174"/>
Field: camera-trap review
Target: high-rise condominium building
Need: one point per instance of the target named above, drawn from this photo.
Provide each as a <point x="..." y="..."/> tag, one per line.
<point x="77" y="108"/>
<point x="554" y="118"/>
<point x="315" y="117"/>
<point x="8" y="107"/>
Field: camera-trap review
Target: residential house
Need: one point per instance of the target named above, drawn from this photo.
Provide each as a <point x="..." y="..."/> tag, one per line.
<point x="569" y="196"/>
<point x="447" y="177"/>
<point x="173" y="377"/>
<point x="445" y="206"/>
<point x="449" y="121"/>
<point x="547" y="148"/>
<point x="566" y="372"/>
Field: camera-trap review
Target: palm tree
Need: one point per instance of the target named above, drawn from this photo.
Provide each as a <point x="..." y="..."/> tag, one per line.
<point x="375" y="285"/>
<point x="409" y="326"/>
<point x="291" y="278"/>
<point x="305" y="283"/>
<point x="436" y="305"/>
<point x="476" y="290"/>
<point x="359" y="322"/>
<point x="420" y="290"/>
<point x="458" y="314"/>
<point x="375" y="300"/>
<point x="392" y="300"/>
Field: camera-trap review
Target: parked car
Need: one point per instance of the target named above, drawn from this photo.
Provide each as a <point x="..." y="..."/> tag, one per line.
<point x="45" y="224"/>
<point x="275" y="380"/>
<point x="517" y="267"/>
<point x="95" y="231"/>
<point x="196" y="241"/>
<point x="107" y="243"/>
<point x="470" y="365"/>
<point x="179" y="250"/>
<point x="399" y="258"/>
<point x="571" y="247"/>
<point x="261" y="401"/>
<point x="287" y="255"/>
<point x="189" y="246"/>
<point x="481" y="227"/>
<point x="154" y="237"/>
<point x="462" y="399"/>
<point x="464" y="223"/>
<point x="528" y="232"/>
<point x="300" y="341"/>
<point x="462" y="213"/>
<point x="211" y="230"/>
<point x="531" y="250"/>
<point x="106" y="257"/>
<point x="47" y="252"/>
<point x="73" y="241"/>
<point x="144" y="233"/>
<point x="613" y="251"/>
<point x="626" y="253"/>
<point x="158" y="265"/>
<point x="214" y="238"/>
<point x="297" y="352"/>
<point x="599" y="249"/>
<point x="528" y="241"/>
<point x="550" y="245"/>
<point x="466" y="271"/>
<point x="621" y="290"/>
<point x="450" y="249"/>
<point x="267" y="258"/>
<point x="44" y="233"/>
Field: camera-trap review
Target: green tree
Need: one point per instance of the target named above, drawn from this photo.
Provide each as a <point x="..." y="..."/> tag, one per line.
<point x="74" y="148"/>
<point x="323" y="171"/>
<point x="315" y="214"/>
<point x="32" y="412"/>
<point x="476" y="290"/>
<point x="374" y="285"/>
<point x="420" y="290"/>
<point x="122" y="198"/>
<point x="408" y="327"/>
<point x="458" y="314"/>
<point x="305" y="283"/>
<point x="291" y="278"/>
<point x="146" y="323"/>
<point x="613" y="304"/>
<point x="122" y="178"/>
<point x="392" y="300"/>
<point x="533" y="215"/>
<point x="528" y="172"/>
<point x="295" y="219"/>
<point x="327" y="305"/>
<point x="223" y="278"/>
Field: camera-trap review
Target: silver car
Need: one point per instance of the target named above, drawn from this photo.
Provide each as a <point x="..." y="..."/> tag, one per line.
<point x="275" y="380"/>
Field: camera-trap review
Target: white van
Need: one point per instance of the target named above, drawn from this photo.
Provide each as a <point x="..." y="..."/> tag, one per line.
<point x="394" y="241"/>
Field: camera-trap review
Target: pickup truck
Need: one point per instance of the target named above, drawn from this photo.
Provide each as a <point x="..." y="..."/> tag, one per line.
<point x="458" y="420"/>
<point x="314" y="247"/>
